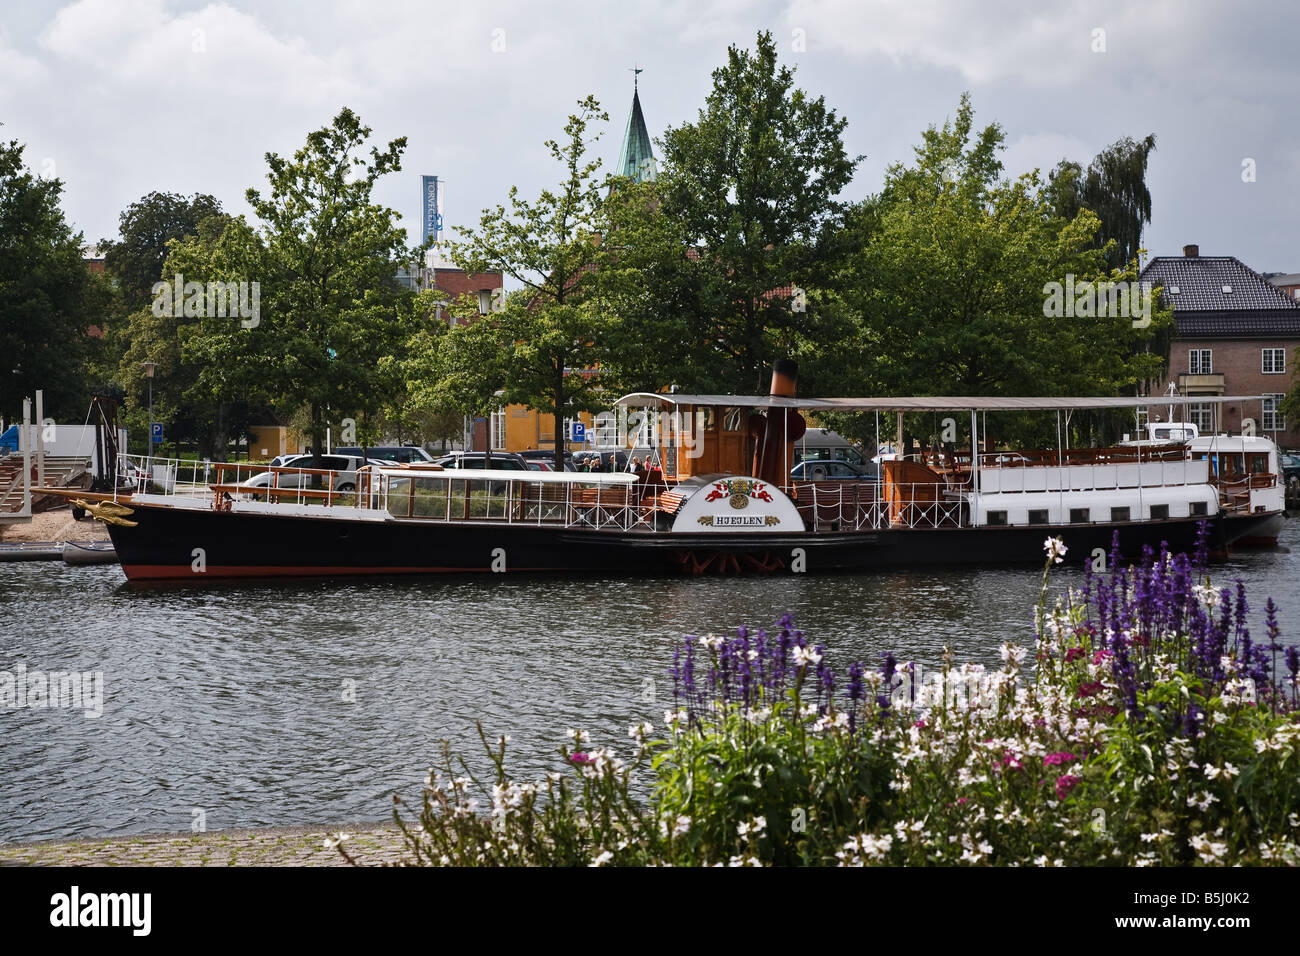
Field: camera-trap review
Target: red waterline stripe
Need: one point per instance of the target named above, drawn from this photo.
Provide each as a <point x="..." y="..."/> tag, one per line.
<point x="145" y="572"/>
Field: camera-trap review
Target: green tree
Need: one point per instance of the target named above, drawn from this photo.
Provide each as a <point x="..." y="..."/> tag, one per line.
<point x="460" y="366"/>
<point x="551" y="331"/>
<point x="1114" y="188"/>
<point x="952" y="287"/>
<point x="753" y="182"/>
<point x="48" y="298"/>
<point x="325" y="257"/>
<point x="135" y="259"/>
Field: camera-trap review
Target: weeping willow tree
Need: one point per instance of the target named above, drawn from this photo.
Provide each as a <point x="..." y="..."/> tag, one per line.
<point x="1114" y="188"/>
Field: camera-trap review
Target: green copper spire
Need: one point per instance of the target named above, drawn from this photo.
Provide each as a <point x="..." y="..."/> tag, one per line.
<point x="637" y="159"/>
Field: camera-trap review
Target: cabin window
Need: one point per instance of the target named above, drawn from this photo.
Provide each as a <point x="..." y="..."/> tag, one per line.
<point x="1197" y="509"/>
<point x="1079" y="515"/>
<point x="1119" y="514"/>
<point x="997" y="517"/>
<point x="1038" y="516"/>
<point x="1259" y="464"/>
<point x="1159" y="512"/>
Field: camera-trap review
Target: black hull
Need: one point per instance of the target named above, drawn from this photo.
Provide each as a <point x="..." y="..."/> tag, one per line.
<point x="196" y="545"/>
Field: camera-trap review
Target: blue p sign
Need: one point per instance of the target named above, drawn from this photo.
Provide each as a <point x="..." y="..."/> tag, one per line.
<point x="155" y="433"/>
<point x="579" y="431"/>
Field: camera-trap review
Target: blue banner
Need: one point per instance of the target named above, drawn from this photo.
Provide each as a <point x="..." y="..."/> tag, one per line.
<point x="432" y="222"/>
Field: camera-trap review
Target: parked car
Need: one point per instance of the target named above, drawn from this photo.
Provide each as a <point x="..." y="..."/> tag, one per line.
<point x="344" y="466"/>
<point x="1290" y="468"/>
<point x="501" y="461"/>
<point x="547" y="455"/>
<point x="821" y="469"/>
<point x="403" y="454"/>
<point x="537" y="465"/>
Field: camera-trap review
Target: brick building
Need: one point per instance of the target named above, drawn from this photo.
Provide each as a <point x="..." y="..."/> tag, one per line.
<point x="1235" y="334"/>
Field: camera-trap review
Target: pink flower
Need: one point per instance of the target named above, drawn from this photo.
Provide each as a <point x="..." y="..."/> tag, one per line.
<point x="1087" y="690"/>
<point x="1073" y="654"/>
<point x="1066" y="783"/>
<point x="579" y="757"/>
<point x="1059" y="758"/>
<point x="919" y="723"/>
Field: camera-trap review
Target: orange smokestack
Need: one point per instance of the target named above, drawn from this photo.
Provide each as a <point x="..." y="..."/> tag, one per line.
<point x="774" y="432"/>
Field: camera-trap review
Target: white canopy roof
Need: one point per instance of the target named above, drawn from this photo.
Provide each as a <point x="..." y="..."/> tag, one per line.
<point x="923" y="403"/>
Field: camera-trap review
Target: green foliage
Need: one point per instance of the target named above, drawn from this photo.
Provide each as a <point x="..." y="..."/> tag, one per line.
<point x="1056" y="758"/>
<point x="952" y="283"/>
<point x="547" y="333"/>
<point x="754" y="184"/>
<point x="145" y="229"/>
<point x="325" y="257"/>
<point x="1114" y="188"/>
<point x="48" y="298"/>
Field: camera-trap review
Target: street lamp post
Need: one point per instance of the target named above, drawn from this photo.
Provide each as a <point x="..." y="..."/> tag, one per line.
<point x="148" y="461"/>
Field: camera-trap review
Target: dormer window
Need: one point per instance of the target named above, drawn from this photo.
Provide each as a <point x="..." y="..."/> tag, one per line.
<point x="1173" y="290"/>
<point x="1227" y="289"/>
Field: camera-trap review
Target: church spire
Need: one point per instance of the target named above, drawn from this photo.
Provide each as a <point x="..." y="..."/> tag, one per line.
<point x="636" y="160"/>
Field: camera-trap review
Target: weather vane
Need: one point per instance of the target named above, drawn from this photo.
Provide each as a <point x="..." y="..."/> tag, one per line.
<point x="635" y="71"/>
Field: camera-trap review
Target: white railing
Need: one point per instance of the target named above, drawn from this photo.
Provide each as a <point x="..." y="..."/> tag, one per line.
<point x="579" y="501"/>
<point x="859" y="506"/>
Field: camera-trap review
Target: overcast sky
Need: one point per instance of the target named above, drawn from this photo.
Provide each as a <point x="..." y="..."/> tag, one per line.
<point x="121" y="97"/>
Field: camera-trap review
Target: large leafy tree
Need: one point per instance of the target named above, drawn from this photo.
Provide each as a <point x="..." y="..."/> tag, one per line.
<point x="135" y="259"/>
<point x="48" y="299"/>
<point x="552" y="329"/>
<point x="951" y="286"/>
<point x="753" y="183"/>
<point x="1114" y="188"/>
<point x="326" y="258"/>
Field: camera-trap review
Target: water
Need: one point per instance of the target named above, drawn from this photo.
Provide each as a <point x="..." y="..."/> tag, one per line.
<point x="313" y="702"/>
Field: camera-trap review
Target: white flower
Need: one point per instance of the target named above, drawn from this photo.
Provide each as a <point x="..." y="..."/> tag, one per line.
<point x="754" y="827"/>
<point x="1013" y="654"/>
<point x="673" y="719"/>
<point x="579" y="737"/>
<point x="1055" y="549"/>
<point x="640" y="731"/>
<point x="806" y="655"/>
<point x="679" y="826"/>
<point x="330" y="844"/>
<point x="712" y="643"/>
<point x="602" y="859"/>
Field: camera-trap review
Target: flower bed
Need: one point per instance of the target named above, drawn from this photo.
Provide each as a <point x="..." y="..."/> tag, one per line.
<point x="1145" y="727"/>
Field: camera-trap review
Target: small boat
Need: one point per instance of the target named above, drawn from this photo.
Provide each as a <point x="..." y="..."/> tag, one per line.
<point x="31" y="551"/>
<point x="89" y="552"/>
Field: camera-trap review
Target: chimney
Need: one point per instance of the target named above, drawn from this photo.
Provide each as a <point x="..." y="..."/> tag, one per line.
<point x="785" y="373"/>
<point x="1191" y="252"/>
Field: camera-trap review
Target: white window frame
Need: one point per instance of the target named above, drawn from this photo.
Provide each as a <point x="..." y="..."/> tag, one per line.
<point x="1278" y="362"/>
<point x="497" y="430"/>
<point x="1201" y="414"/>
<point x="1271" y="420"/>
<point x="1205" y="365"/>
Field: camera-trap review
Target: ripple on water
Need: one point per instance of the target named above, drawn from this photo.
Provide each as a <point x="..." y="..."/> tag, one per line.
<point x="312" y="702"/>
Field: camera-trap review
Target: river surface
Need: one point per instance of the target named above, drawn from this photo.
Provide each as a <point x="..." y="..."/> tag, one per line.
<point x="312" y="703"/>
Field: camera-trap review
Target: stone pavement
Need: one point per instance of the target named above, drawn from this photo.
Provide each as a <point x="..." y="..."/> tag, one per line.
<point x="369" y="844"/>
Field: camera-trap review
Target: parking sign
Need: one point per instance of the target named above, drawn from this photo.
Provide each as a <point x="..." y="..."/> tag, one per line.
<point x="578" y="432"/>
<point x="155" y="433"/>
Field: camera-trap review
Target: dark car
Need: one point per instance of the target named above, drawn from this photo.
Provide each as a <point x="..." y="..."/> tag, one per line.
<point x="1290" y="468"/>
<point x="820" y="469"/>
<point x="404" y="454"/>
<point x="501" y="461"/>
